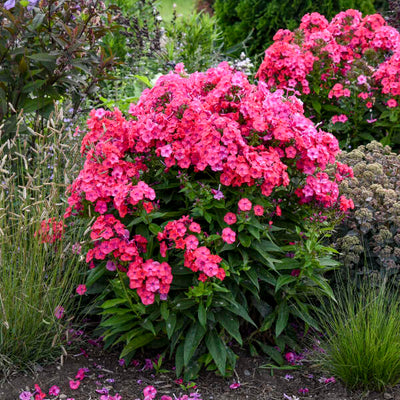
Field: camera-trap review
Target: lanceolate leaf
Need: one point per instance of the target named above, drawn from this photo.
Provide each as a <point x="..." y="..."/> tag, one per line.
<point x="193" y="338"/>
<point x="217" y="349"/>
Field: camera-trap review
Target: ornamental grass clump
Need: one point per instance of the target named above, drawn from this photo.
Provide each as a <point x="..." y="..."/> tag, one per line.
<point x="39" y="260"/>
<point x="368" y="239"/>
<point x="204" y="201"/>
<point x="345" y="71"/>
<point x="361" y="339"/>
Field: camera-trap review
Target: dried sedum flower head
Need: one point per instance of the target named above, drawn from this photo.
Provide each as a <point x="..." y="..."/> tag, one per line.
<point x="368" y="239"/>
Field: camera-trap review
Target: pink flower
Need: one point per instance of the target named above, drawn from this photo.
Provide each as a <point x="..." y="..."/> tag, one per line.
<point x="76" y="248"/>
<point x="230" y="218"/>
<point x="74" y="384"/>
<point x="258" y="210"/>
<point x="195" y="227"/>
<point x="290" y="357"/>
<point x="235" y="385"/>
<point x="244" y="204"/>
<point x="362" y="79"/>
<point x="59" y="312"/>
<point x="164" y="397"/>
<point x="303" y="390"/>
<point x="26" y="396"/>
<point x="392" y="103"/>
<point x="54" y="390"/>
<point x="150" y="391"/>
<point x="111" y="266"/>
<point x="228" y="235"/>
<point x="81" y="289"/>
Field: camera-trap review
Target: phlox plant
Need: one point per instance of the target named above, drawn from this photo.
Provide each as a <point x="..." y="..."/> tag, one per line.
<point x="345" y="71"/>
<point x="209" y="202"/>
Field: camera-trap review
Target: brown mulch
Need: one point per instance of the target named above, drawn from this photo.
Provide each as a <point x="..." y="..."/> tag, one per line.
<point x="255" y="383"/>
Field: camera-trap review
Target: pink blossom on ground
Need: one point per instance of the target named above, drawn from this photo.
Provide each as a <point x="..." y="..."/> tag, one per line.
<point x="150" y="391"/>
<point x="25" y="395"/>
<point x="74" y="384"/>
<point x="54" y="390"/>
<point x="235" y="385"/>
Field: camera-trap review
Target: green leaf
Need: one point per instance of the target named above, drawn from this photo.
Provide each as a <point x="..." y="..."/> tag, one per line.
<point x="267" y="245"/>
<point x="284" y="280"/>
<point x="231" y="324"/>
<point x="317" y="106"/>
<point x="328" y="262"/>
<point x="148" y="325"/>
<point x="254" y="231"/>
<point x="32" y="86"/>
<point x="112" y="303"/>
<point x="193" y="338"/>
<point x="144" y="79"/>
<point x="164" y="311"/>
<point x="283" y="317"/>
<point x="95" y="274"/>
<point x="244" y="239"/>
<point x="252" y="274"/>
<point x="43" y="57"/>
<point x="170" y="324"/>
<point x="137" y="343"/>
<point x="324" y="285"/>
<point x="267" y="323"/>
<point x="202" y="314"/>
<point x="238" y="309"/>
<point x="217" y="349"/>
<point x="37" y="20"/>
<point x="154" y="229"/>
<point x="272" y="352"/>
<point x="179" y="359"/>
<point x="116" y="320"/>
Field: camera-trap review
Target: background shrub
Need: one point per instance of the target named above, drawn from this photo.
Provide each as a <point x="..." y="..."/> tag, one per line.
<point x="262" y="19"/>
<point x="194" y="40"/>
<point x="50" y="51"/>
<point x="368" y="239"/>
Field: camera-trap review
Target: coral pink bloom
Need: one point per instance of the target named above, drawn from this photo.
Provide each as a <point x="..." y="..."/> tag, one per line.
<point x="258" y="210"/>
<point x="81" y="290"/>
<point x="244" y="204"/>
<point x="228" y="236"/>
<point x="230" y="218"/>
<point x="392" y="103"/>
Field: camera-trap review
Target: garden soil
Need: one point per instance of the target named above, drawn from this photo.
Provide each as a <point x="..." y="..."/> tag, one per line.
<point x="105" y="372"/>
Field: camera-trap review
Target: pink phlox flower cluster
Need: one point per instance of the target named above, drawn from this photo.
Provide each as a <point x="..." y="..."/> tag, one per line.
<point x="333" y="48"/>
<point x="215" y="120"/>
<point x="180" y="234"/>
<point x="339" y="118"/>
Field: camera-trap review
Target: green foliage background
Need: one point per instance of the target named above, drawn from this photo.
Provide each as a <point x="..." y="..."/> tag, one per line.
<point x="238" y="18"/>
